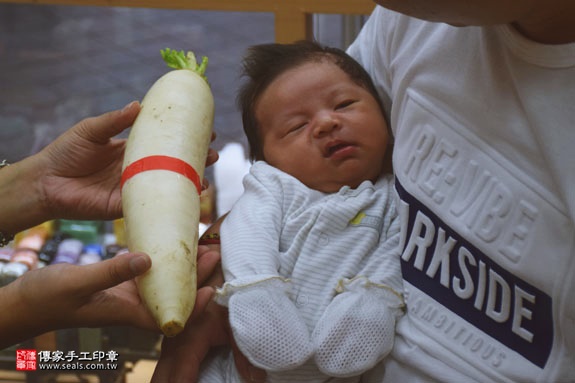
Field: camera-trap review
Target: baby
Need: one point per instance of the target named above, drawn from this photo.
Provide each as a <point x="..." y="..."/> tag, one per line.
<point x="310" y="250"/>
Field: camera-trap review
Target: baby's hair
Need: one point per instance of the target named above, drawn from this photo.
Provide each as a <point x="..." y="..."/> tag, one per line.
<point x="264" y="63"/>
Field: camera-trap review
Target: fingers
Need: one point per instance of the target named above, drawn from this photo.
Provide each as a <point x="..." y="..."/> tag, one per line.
<point x="182" y="355"/>
<point x="162" y="369"/>
<point x="112" y="272"/>
<point x="178" y="362"/>
<point x="203" y="298"/>
<point x="208" y="265"/>
<point x="212" y="157"/>
<point x="212" y="153"/>
<point x="103" y="127"/>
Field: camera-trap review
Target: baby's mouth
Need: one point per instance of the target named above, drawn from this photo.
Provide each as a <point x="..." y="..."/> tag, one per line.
<point x="335" y="147"/>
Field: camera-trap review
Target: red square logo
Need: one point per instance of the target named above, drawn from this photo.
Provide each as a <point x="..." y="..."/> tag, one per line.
<point x="26" y="360"/>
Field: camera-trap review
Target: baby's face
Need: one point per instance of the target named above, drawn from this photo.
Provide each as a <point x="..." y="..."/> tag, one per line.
<point x="322" y="128"/>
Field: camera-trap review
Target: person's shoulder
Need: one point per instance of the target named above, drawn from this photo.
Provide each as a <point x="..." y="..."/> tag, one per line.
<point x="388" y="19"/>
<point x="551" y="56"/>
<point x="387" y="31"/>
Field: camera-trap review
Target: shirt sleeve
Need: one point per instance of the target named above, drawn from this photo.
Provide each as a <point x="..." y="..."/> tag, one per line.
<point x="250" y="233"/>
<point x="373" y="50"/>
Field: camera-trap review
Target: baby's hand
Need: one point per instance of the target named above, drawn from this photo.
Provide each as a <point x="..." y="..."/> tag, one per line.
<point x="267" y="327"/>
<point x="356" y="331"/>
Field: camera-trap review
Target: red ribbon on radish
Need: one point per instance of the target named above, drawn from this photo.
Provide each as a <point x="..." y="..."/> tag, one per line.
<point x="162" y="163"/>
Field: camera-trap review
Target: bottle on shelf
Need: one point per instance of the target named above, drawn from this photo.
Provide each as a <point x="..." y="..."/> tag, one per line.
<point x="24" y="255"/>
<point x="92" y="253"/>
<point x="5" y="256"/>
<point x="26" y="249"/>
<point x="49" y="250"/>
<point x="69" y="251"/>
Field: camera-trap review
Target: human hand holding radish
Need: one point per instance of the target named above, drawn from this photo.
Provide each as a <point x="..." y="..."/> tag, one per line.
<point x="97" y="295"/>
<point x="77" y="176"/>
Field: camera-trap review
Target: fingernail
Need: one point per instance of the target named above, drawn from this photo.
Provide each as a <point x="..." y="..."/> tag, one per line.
<point x="140" y="264"/>
<point x="129" y="106"/>
<point x="205" y="184"/>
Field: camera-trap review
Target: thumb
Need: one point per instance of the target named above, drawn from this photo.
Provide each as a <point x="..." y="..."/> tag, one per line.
<point x="112" y="272"/>
<point x="109" y="124"/>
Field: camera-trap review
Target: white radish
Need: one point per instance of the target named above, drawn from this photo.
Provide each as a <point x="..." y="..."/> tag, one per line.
<point x="161" y="185"/>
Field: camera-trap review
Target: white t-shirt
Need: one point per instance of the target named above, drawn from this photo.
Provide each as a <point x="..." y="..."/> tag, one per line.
<point x="484" y="128"/>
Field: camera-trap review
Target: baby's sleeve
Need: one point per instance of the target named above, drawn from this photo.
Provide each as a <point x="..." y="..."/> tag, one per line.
<point x="266" y="324"/>
<point x="250" y="232"/>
